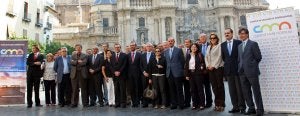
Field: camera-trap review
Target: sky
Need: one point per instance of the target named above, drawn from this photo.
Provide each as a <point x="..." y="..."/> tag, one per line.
<point x="284" y="3"/>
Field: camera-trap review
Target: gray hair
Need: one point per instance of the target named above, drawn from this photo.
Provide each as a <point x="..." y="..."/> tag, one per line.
<point x="202" y="35"/>
<point x="64" y="48"/>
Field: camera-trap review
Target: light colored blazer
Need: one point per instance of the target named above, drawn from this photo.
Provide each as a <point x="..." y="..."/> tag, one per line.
<point x="213" y="57"/>
<point x="75" y="65"/>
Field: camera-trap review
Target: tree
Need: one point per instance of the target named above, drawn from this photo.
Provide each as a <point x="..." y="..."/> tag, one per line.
<point x="52" y="47"/>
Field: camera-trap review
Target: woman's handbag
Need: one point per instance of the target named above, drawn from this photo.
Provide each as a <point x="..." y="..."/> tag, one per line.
<point x="150" y="92"/>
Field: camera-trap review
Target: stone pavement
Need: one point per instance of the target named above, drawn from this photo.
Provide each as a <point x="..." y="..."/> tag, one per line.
<point x="22" y="110"/>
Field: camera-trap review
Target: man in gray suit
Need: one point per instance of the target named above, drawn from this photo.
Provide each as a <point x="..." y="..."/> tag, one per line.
<point x="175" y="66"/>
<point x="248" y="59"/>
<point x="63" y="68"/>
<point x="79" y="77"/>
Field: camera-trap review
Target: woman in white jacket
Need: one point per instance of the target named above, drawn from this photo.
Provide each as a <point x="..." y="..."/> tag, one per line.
<point x="214" y="64"/>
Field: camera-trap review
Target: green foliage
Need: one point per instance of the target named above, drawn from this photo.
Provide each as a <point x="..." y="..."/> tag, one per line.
<point x="52" y="47"/>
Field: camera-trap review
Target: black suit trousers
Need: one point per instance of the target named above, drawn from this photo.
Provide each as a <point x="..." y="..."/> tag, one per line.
<point x="33" y="82"/>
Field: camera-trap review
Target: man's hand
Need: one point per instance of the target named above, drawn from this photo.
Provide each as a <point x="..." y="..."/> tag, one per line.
<point x="79" y="61"/>
<point x="146" y="74"/>
<point x="92" y="71"/>
<point x="160" y="66"/>
<point x="37" y="63"/>
<point x="117" y="73"/>
<point x="187" y="78"/>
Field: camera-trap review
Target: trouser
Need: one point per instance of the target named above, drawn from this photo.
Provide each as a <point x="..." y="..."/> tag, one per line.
<point x="197" y="90"/>
<point x="120" y="90"/>
<point x="176" y="90"/>
<point x="145" y="84"/>
<point x="216" y="79"/>
<point x="65" y="90"/>
<point x="248" y="83"/>
<point x="159" y="86"/>
<point x="33" y="82"/>
<point x="95" y="89"/>
<point x="77" y="82"/>
<point x="235" y="91"/>
<point x="207" y="89"/>
<point x="135" y="89"/>
<point x="110" y="91"/>
<point x="50" y="91"/>
<point x="187" y="92"/>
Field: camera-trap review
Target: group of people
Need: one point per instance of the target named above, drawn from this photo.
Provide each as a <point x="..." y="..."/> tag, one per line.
<point x="179" y="75"/>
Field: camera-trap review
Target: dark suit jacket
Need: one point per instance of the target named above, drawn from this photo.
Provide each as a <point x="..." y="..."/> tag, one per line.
<point x="200" y="47"/>
<point x="199" y="59"/>
<point x="119" y="65"/>
<point x="134" y="67"/>
<point x="175" y="64"/>
<point x="59" y="67"/>
<point x="144" y="66"/>
<point x="97" y="64"/>
<point x="153" y="66"/>
<point x="81" y="66"/>
<point x="34" y="71"/>
<point x="230" y="61"/>
<point x="249" y="59"/>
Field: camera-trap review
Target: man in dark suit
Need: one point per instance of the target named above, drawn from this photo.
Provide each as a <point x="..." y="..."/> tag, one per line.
<point x="186" y="84"/>
<point x="79" y="77"/>
<point x="63" y="68"/>
<point x="119" y="62"/>
<point x="94" y="63"/>
<point x="34" y="75"/>
<point x="203" y="48"/>
<point x="248" y="69"/>
<point x="134" y="75"/>
<point x="145" y="68"/>
<point x="230" y="58"/>
<point x="105" y="47"/>
<point x="175" y="73"/>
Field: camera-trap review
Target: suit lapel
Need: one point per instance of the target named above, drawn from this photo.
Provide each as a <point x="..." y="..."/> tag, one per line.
<point x="247" y="46"/>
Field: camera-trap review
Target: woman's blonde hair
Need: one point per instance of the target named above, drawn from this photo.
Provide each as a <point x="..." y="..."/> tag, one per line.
<point x="50" y="55"/>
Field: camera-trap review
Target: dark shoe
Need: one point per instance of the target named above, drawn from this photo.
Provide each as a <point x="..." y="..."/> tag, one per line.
<point x="39" y="105"/>
<point x="250" y="112"/>
<point x="145" y="106"/>
<point x="187" y="105"/>
<point x="101" y="105"/>
<point x="85" y="106"/>
<point x="62" y="105"/>
<point x="234" y="111"/>
<point x="29" y="106"/>
<point x="73" y="106"/>
<point x="91" y="105"/>
<point x="181" y="107"/>
<point x="134" y="106"/>
<point x="208" y="105"/>
<point x="201" y="108"/>
<point x="194" y="107"/>
<point x="116" y="106"/>
<point x="173" y="107"/>
<point x="242" y="111"/>
<point x="123" y="106"/>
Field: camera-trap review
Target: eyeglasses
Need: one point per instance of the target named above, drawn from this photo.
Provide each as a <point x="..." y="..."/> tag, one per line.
<point x="213" y="38"/>
<point x="157" y="51"/>
<point x="63" y="51"/>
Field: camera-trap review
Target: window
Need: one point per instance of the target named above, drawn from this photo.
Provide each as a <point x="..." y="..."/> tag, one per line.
<point x="38" y="16"/>
<point x="24" y="33"/>
<point x="192" y="1"/>
<point x="25" y="9"/>
<point x="243" y="20"/>
<point x="141" y="22"/>
<point x="105" y="22"/>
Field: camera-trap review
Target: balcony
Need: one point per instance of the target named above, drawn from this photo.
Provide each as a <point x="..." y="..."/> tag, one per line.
<point x="48" y="26"/>
<point x="27" y="18"/>
<point x="11" y="13"/>
<point x="39" y="23"/>
<point x="99" y="30"/>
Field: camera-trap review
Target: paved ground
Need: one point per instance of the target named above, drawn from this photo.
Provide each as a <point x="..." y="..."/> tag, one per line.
<point x="21" y="110"/>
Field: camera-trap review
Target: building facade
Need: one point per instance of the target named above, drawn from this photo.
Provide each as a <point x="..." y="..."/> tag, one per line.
<point x="152" y="21"/>
<point x="25" y="19"/>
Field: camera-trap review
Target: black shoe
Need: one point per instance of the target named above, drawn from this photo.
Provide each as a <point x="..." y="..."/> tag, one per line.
<point x="62" y="105"/>
<point x="242" y="111"/>
<point x="250" y="112"/>
<point x="116" y="106"/>
<point x="73" y="106"/>
<point x="91" y="105"/>
<point x="134" y="106"/>
<point x="187" y="105"/>
<point x="208" y="105"/>
<point x="101" y="105"/>
<point x="123" y="106"/>
<point x="145" y="106"/>
<point x="173" y="107"/>
<point x="29" y="106"/>
<point x="234" y="111"/>
<point x="181" y="107"/>
<point x="39" y="105"/>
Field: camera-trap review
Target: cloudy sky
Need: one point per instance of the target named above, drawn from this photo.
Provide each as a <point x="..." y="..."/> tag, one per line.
<point x="284" y="3"/>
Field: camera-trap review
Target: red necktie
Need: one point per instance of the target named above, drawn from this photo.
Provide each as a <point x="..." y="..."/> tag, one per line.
<point x="34" y="56"/>
<point x="117" y="57"/>
<point x="132" y="57"/>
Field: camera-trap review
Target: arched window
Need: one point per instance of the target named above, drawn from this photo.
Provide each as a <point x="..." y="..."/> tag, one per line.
<point x="141" y="22"/>
<point x="243" y="20"/>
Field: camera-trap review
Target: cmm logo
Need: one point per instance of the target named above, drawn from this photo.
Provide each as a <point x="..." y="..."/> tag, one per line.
<point x="11" y="52"/>
<point x="260" y="29"/>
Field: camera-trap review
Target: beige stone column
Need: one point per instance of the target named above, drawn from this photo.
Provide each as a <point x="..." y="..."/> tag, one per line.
<point x="222" y="28"/>
<point x="173" y="27"/>
<point x="163" y="28"/>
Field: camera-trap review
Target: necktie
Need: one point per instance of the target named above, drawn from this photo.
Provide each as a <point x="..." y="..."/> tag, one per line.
<point x="148" y="57"/>
<point x="244" y="44"/>
<point x="34" y="56"/>
<point x="229" y="47"/>
<point x="203" y="49"/>
<point x="132" y="57"/>
<point x="187" y="52"/>
<point x="117" y="57"/>
<point x="93" y="60"/>
<point x="171" y="51"/>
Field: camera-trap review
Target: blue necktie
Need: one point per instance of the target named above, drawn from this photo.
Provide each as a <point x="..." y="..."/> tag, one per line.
<point x="229" y="47"/>
<point x="170" y="53"/>
<point x="148" y="57"/>
<point x="203" y="49"/>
